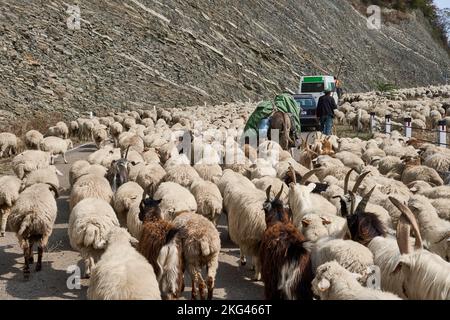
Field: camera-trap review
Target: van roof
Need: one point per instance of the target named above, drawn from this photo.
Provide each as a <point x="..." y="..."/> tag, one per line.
<point x="318" y="78"/>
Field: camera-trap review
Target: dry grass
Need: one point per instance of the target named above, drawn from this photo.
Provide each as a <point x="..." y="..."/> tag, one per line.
<point x="346" y="131"/>
<point x="5" y="166"/>
<point x="39" y="121"/>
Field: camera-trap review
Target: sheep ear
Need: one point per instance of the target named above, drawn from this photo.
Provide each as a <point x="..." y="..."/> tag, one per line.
<point x="324" y="285"/>
<point x="134" y="242"/>
<point x="305" y="223"/>
<point x="398" y="267"/>
<point x="311" y="187"/>
<point x="356" y="276"/>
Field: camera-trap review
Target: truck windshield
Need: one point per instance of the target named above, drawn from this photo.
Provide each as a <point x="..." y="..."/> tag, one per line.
<point x="306" y="103"/>
<point x="308" y="87"/>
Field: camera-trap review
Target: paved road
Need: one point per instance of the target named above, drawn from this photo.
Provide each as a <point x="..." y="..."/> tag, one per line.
<point x="232" y="282"/>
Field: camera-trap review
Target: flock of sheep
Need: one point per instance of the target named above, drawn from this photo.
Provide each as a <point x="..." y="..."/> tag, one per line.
<point x="338" y="218"/>
<point x="425" y="106"/>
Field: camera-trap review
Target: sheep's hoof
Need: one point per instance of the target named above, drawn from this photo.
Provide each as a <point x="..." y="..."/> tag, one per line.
<point x="2" y="234"/>
<point x="31" y="260"/>
<point x="243" y="262"/>
<point x="26" y="275"/>
<point x="38" y="267"/>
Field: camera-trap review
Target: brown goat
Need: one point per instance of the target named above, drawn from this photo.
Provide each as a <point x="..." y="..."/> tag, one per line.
<point x="327" y="147"/>
<point x="286" y="265"/>
<point x="161" y="245"/>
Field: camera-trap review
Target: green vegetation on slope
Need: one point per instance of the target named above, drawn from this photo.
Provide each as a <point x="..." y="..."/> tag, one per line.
<point x="439" y="19"/>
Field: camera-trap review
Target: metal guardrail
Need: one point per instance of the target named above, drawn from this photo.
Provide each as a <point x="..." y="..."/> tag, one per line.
<point x="441" y="133"/>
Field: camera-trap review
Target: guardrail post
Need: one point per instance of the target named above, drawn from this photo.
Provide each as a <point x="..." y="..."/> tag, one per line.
<point x="442" y="133"/>
<point x="387" y="123"/>
<point x="373" y="125"/>
<point x="408" y="129"/>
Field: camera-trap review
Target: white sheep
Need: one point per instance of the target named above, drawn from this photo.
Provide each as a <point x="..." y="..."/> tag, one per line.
<point x="442" y="206"/>
<point x="243" y="203"/>
<point x="302" y="201"/>
<point x="32" y="218"/>
<point x="28" y="161"/>
<point x="81" y="168"/>
<point x="128" y="194"/>
<point x="435" y="231"/>
<point x="208" y="198"/>
<point x="150" y="177"/>
<point x="175" y="199"/>
<point x="201" y="248"/>
<point x="9" y="193"/>
<point x="351" y="255"/>
<point x="411" y="273"/>
<point x="47" y="175"/>
<point x="56" y="146"/>
<point x="63" y="129"/>
<point x="90" y="222"/>
<point x="183" y="174"/>
<point x="209" y="172"/>
<point x="350" y="160"/>
<point x="74" y="128"/>
<point x="90" y="186"/>
<point x="334" y="282"/>
<point x="100" y="136"/>
<point x="116" y="129"/>
<point x="122" y="273"/>
<point x="33" y="139"/>
<point x="9" y="144"/>
<point x="315" y="226"/>
<point x="264" y="182"/>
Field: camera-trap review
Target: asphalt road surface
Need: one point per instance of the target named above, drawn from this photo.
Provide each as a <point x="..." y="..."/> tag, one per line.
<point x="232" y="281"/>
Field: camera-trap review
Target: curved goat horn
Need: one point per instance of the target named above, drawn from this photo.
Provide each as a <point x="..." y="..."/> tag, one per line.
<point x="359" y="181"/>
<point x="347" y="177"/>
<point x="126" y="153"/>
<point x="305" y="177"/>
<point x="294" y="178"/>
<point x="363" y="203"/>
<point x="402" y="234"/>
<point x="307" y="139"/>
<point x="352" y="202"/>
<point x="268" y="192"/>
<point x="54" y="189"/>
<point x="406" y="212"/>
<point x="279" y="193"/>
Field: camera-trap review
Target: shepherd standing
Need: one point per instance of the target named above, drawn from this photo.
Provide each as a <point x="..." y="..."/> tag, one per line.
<point x="325" y="112"/>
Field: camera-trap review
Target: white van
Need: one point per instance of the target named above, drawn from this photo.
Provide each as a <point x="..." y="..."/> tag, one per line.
<point x="315" y="86"/>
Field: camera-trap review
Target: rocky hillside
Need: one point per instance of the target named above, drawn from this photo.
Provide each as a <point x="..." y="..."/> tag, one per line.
<point x="131" y="53"/>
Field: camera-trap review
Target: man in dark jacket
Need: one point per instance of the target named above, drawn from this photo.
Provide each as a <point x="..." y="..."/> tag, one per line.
<point x="325" y="112"/>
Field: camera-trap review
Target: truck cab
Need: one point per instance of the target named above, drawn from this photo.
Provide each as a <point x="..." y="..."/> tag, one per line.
<point x="315" y="86"/>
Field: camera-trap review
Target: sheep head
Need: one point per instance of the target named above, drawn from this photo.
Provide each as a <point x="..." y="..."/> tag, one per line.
<point x="149" y="209"/>
<point x="327" y="275"/>
<point x="117" y="173"/>
<point x="411" y="161"/>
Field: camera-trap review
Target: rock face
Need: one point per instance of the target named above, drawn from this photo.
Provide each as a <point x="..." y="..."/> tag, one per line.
<point x="135" y="53"/>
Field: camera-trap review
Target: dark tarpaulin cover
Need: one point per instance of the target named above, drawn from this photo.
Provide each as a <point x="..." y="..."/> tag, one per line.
<point x="284" y="102"/>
